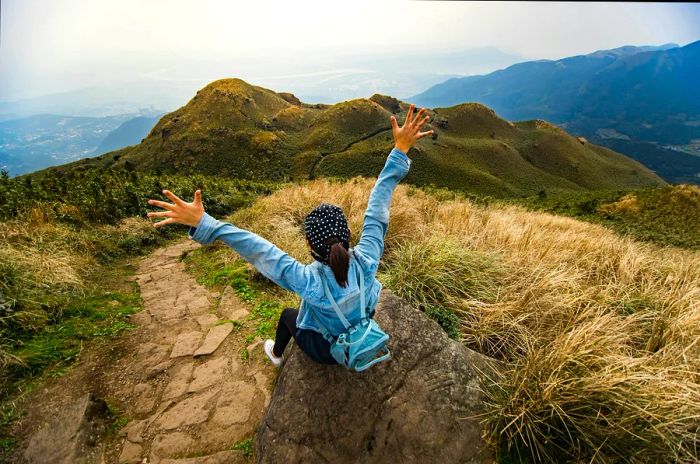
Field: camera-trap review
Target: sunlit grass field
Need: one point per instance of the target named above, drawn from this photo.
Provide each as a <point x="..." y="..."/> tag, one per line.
<point x="599" y="333"/>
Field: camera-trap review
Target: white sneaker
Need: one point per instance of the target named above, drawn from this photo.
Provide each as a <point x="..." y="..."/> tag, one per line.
<point x="268" y="346"/>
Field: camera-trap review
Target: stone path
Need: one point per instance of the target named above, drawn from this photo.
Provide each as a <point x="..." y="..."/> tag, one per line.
<point x="192" y="396"/>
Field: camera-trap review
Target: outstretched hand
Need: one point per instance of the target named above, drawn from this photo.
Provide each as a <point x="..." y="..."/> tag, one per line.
<point x="407" y="135"/>
<point x="179" y="211"/>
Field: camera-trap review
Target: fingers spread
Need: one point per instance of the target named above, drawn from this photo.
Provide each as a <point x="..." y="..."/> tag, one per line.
<point x="394" y="124"/>
<point x="160" y="214"/>
<point x="162" y="223"/>
<point x="409" y="114"/>
<point x="161" y="204"/>
<point x="174" y="198"/>
<point x="418" y="116"/>
<point x="422" y="122"/>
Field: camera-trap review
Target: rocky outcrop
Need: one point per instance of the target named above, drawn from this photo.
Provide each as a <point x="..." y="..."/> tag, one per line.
<point x="73" y="435"/>
<point x="418" y="407"/>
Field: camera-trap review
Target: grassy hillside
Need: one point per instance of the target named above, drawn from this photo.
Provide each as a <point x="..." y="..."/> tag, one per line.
<point x="235" y="129"/>
<point x="618" y="318"/>
<point x="668" y="215"/>
<point x="60" y="237"/>
<point x="599" y="333"/>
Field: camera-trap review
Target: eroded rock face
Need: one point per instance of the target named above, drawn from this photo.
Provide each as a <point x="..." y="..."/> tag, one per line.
<point x="418" y="407"/>
<point x="73" y="435"/>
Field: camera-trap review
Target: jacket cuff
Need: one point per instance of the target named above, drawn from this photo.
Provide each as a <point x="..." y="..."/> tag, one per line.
<point x="203" y="231"/>
<point x="397" y="155"/>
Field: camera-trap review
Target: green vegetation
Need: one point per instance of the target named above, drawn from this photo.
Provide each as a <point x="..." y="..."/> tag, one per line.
<point x="245" y="445"/>
<point x="234" y="129"/>
<point x="88" y="196"/>
<point x="65" y="238"/>
<point x="98" y="316"/>
<point x="598" y="334"/>
<point x="8" y="414"/>
<point x="118" y="420"/>
<point x="668" y="215"/>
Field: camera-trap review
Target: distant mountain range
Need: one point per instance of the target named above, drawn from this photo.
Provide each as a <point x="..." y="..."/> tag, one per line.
<point x="644" y="101"/>
<point x="32" y="143"/>
<point x="232" y="128"/>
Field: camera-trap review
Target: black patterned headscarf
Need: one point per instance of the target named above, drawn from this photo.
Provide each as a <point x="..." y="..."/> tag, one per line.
<point x="323" y="222"/>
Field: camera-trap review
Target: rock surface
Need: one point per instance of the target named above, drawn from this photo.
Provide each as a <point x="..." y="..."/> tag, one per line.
<point x="418" y="407"/>
<point x="214" y="338"/>
<point x="179" y="408"/>
<point x="71" y="436"/>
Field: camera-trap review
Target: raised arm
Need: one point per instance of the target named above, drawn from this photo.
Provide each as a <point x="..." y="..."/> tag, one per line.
<point x="376" y="223"/>
<point x="267" y="258"/>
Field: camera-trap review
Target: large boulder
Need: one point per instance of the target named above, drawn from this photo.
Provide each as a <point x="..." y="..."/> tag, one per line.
<point x="73" y="435"/>
<point x="418" y="407"/>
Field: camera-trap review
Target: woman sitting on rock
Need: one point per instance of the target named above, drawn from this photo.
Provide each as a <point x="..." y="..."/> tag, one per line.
<point x="328" y="236"/>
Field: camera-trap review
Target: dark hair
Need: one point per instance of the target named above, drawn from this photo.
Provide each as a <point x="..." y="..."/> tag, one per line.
<point x="338" y="260"/>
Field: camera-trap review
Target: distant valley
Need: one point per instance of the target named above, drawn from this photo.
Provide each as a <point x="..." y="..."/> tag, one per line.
<point x="35" y="142"/>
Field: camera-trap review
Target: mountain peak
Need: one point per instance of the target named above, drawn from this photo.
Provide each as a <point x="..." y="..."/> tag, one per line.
<point x="237" y="129"/>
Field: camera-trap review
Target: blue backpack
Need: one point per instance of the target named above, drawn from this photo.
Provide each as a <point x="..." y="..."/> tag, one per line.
<point x="361" y="345"/>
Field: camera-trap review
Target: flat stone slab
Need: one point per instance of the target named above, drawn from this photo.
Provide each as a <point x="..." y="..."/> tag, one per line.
<point x="209" y="373"/>
<point x="134" y="431"/>
<point x="72" y="435"/>
<point x="146" y="398"/>
<point x="235" y="403"/>
<point x="186" y="344"/>
<point x="190" y="411"/>
<point x="179" y="381"/>
<point x="206" y="321"/>
<point x="131" y="453"/>
<point x="214" y="338"/>
<point x="151" y="354"/>
<point x="173" y="444"/>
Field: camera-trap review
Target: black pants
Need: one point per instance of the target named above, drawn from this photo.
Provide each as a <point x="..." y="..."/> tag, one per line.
<point x="311" y="342"/>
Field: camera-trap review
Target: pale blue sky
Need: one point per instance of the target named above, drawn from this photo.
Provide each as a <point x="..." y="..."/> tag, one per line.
<point x="59" y="45"/>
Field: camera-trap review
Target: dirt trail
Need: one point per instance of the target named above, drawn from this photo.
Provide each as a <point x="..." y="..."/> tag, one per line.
<point x="193" y="396"/>
<point x="178" y="378"/>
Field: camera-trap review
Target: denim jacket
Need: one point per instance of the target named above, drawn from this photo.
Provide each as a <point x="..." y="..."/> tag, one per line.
<point x="304" y="279"/>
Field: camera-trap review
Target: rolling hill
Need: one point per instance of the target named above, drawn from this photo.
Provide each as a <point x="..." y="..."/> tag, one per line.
<point x="235" y="129"/>
<point x="638" y="94"/>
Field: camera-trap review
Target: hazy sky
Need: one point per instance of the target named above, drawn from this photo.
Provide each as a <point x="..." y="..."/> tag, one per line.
<point x="57" y="45"/>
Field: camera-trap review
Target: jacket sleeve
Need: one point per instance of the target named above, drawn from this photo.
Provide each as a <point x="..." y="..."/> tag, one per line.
<point x="267" y="258"/>
<point x="376" y="223"/>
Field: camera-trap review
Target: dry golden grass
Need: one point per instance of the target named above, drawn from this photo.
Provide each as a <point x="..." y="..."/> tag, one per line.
<point x="45" y="264"/>
<point x="600" y="334"/>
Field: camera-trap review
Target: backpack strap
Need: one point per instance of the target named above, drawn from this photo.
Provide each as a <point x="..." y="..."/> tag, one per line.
<point x="324" y="331"/>
<point x="337" y="310"/>
<point x="361" y="278"/>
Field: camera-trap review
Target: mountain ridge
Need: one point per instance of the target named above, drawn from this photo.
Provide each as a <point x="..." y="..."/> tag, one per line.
<point x="236" y="129"/>
<point x="645" y="95"/>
